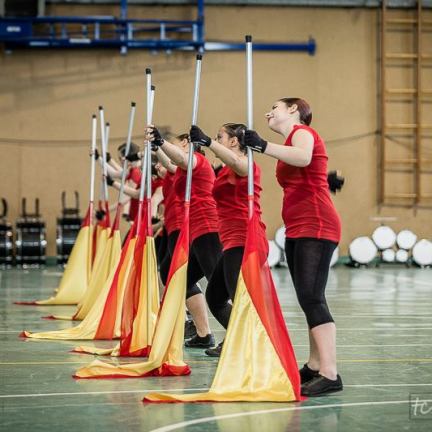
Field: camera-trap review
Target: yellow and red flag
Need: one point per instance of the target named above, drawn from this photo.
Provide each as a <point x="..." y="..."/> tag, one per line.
<point x="87" y="328"/>
<point x="166" y="353"/>
<point x="75" y="279"/>
<point x="257" y="363"/>
<point x="141" y="297"/>
<point x="101" y="268"/>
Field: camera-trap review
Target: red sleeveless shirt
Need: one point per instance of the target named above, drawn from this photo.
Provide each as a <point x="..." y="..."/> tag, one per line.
<point x="231" y="194"/>
<point x="307" y="209"/>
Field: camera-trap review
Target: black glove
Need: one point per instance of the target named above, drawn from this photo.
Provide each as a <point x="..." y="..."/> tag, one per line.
<point x="96" y="154"/>
<point x="198" y="136"/>
<point x="157" y="138"/>
<point x="108" y="156"/>
<point x="109" y="180"/>
<point x="133" y="157"/>
<point x="254" y="141"/>
<point x="335" y="181"/>
<point x="100" y="214"/>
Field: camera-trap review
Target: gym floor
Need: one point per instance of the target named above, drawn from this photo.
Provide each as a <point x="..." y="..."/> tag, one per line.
<point x="384" y="324"/>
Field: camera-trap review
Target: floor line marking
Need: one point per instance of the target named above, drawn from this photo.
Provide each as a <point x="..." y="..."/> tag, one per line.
<point x="390" y="360"/>
<point x="96" y="393"/>
<point x="387" y="385"/>
<point x="369" y="346"/>
<point x="99" y="392"/>
<point x="370" y="360"/>
<point x="370" y="329"/>
<point x="185" y="424"/>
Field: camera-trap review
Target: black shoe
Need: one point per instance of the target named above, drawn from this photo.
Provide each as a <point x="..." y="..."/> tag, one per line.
<point x="201" y="342"/>
<point x="190" y="329"/>
<point x="307" y="374"/>
<point x="214" y="352"/>
<point x="320" y="386"/>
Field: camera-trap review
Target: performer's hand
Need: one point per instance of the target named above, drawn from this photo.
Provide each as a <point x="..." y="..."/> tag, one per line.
<point x="154" y="136"/>
<point x="335" y="181"/>
<point x="109" y="180"/>
<point x="133" y="157"/>
<point x="254" y="141"/>
<point x="95" y="154"/>
<point x="199" y="137"/>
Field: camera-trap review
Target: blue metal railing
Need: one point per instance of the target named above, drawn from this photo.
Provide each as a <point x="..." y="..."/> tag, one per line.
<point x="123" y="33"/>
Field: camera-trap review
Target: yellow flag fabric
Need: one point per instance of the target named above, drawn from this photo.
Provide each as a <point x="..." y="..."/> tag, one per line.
<point x="249" y="368"/>
<point x="109" y="324"/>
<point x="75" y="279"/>
<point x="257" y="362"/>
<point x="87" y="328"/>
<point x="166" y="354"/>
<point x="101" y="269"/>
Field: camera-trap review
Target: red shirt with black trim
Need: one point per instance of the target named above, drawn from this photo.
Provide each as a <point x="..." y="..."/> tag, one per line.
<point x="307" y="209"/>
<point x="231" y="194"/>
<point x="203" y="213"/>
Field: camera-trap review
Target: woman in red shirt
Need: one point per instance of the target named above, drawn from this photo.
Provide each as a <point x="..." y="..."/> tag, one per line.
<point x="205" y="247"/>
<point x="312" y="231"/>
<point x="231" y="194"/>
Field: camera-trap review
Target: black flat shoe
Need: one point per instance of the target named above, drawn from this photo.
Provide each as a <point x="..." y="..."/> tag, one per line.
<point x="190" y="329"/>
<point x="207" y="341"/>
<point x="321" y="386"/>
<point x="214" y="352"/>
<point x="307" y="374"/>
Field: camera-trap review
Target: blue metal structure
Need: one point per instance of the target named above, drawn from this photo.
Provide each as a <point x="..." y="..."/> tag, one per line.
<point x="123" y="33"/>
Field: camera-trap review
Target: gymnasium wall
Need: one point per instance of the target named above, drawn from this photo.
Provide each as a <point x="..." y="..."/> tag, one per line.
<point x="47" y="98"/>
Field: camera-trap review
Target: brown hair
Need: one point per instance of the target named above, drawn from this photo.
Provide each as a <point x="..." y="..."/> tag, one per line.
<point x="236" y="130"/>
<point x="303" y="108"/>
<point x="185" y="136"/>
<point x="133" y="149"/>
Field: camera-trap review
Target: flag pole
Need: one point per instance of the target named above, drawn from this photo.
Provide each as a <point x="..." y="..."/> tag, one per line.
<point x="127" y="149"/>
<point x="150" y="91"/>
<point x="194" y="121"/>
<point x="104" y="143"/>
<point x="249" y="103"/>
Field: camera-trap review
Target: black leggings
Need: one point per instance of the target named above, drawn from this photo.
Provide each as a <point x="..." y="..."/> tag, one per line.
<point x="223" y="283"/>
<point x="204" y="254"/>
<point x="309" y="263"/>
<point x="203" y="257"/>
<point x="161" y="246"/>
<point x="166" y="261"/>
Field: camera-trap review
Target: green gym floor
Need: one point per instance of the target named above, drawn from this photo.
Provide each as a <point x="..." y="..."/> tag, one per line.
<point x="384" y="319"/>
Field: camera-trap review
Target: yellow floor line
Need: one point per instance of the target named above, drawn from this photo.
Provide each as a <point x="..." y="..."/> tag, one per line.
<point x="391" y="360"/>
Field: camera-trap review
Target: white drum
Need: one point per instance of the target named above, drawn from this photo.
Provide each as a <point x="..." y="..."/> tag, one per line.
<point x="280" y="237"/>
<point x="362" y="250"/>
<point x="335" y="257"/>
<point x="422" y="252"/>
<point x="384" y="237"/>
<point x="402" y="256"/>
<point x="406" y="239"/>
<point x="388" y="255"/>
<point x="274" y="255"/>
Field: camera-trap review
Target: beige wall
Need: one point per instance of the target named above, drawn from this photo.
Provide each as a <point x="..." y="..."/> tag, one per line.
<point x="50" y="95"/>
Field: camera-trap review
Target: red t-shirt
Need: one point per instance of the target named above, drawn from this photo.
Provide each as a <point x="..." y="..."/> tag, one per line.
<point x="135" y="176"/>
<point x="231" y="194"/>
<point x="308" y="210"/>
<point x="173" y="213"/>
<point x="203" y="214"/>
<point x="156" y="183"/>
